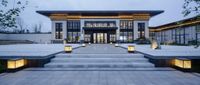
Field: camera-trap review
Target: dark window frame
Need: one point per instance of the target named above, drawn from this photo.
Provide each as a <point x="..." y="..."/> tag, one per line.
<point x="127" y="26"/>
<point x="141" y="29"/>
<point x="73" y="31"/>
<point x="58" y="30"/>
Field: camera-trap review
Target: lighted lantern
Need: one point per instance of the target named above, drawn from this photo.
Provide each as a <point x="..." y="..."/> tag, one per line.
<point x="83" y="45"/>
<point x="183" y="63"/>
<point x="64" y="42"/>
<point x="154" y="45"/>
<point x="131" y="48"/>
<point x="116" y="45"/>
<point x="16" y="63"/>
<point x="68" y="49"/>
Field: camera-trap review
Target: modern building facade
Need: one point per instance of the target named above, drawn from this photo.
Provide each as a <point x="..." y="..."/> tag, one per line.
<point x="123" y="26"/>
<point x="185" y="31"/>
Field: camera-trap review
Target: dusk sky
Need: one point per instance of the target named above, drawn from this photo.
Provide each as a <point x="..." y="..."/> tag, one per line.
<point x="172" y="8"/>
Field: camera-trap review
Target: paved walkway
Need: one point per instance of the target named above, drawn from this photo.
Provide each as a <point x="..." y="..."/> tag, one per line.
<point x="100" y="49"/>
<point x="99" y="78"/>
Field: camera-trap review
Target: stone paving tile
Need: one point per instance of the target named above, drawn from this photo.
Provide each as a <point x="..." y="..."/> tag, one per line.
<point x="100" y="49"/>
<point x="99" y="78"/>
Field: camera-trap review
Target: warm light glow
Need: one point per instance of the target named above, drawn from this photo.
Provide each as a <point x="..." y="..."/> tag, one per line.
<point x="116" y="45"/>
<point x="13" y="64"/>
<point x="154" y="44"/>
<point x="64" y="41"/>
<point x="68" y="49"/>
<point x="131" y="48"/>
<point x="83" y="45"/>
<point x="183" y="63"/>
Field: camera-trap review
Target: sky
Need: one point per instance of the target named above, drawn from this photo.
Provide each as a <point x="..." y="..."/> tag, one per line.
<point x="172" y="8"/>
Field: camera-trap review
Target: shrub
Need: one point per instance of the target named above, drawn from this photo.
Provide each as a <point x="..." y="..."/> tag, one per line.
<point x="193" y="42"/>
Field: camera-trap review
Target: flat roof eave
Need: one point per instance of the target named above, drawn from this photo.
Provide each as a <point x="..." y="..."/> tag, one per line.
<point x="49" y="12"/>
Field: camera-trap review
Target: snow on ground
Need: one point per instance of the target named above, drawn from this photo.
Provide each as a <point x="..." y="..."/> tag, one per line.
<point x="32" y="49"/>
<point x="167" y="50"/>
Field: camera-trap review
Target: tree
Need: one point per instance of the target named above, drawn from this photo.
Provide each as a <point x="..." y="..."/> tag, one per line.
<point x="9" y="10"/>
<point x="20" y="24"/>
<point x="37" y="28"/>
<point x="191" y="6"/>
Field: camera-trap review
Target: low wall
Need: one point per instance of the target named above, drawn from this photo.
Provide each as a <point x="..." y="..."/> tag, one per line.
<point x="38" y="38"/>
<point x="3" y="36"/>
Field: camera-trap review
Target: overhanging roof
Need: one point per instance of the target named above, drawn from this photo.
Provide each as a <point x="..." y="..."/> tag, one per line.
<point x="184" y="22"/>
<point x="100" y="12"/>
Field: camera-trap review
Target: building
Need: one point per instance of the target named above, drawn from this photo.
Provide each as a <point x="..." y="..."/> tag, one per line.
<point x="123" y="26"/>
<point x="184" y="32"/>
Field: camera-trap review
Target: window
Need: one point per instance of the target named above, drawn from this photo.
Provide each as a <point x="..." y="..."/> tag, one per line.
<point x="198" y="28"/>
<point x="73" y="31"/>
<point x="58" y="31"/>
<point x="126" y="31"/>
<point x="141" y="30"/>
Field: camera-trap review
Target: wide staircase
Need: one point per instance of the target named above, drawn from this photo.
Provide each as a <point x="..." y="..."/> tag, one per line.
<point x="89" y="58"/>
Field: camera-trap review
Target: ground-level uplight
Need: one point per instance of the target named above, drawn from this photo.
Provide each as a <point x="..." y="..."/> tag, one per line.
<point x="131" y="48"/>
<point x="68" y="49"/>
<point x="183" y="63"/>
<point x="83" y="45"/>
<point x="116" y="45"/>
<point x="16" y="63"/>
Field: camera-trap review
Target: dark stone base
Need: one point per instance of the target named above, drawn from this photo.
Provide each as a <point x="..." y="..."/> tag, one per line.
<point x="170" y="63"/>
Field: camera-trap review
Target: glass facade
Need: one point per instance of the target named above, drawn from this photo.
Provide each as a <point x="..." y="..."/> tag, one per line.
<point x="58" y="30"/>
<point x="126" y="31"/>
<point x="180" y="35"/>
<point x="98" y="31"/>
<point x="73" y="31"/>
<point x="141" y="30"/>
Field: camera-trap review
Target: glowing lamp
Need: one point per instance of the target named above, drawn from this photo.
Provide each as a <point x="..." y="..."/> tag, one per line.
<point x="183" y="63"/>
<point x="64" y="42"/>
<point x="68" y="49"/>
<point x="116" y="45"/>
<point x="16" y="63"/>
<point x="131" y="48"/>
<point x="83" y="45"/>
<point x="111" y="43"/>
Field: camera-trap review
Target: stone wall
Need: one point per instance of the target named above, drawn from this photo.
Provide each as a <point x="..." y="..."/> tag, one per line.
<point x="38" y="38"/>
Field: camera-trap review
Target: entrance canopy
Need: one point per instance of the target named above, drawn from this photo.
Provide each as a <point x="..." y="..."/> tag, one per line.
<point x="99" y="28"/>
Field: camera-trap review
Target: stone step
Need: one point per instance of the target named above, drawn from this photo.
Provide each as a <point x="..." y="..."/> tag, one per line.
<point x="99" y="60"/>
<point x="100" y="55"/>
<point x="101" y="69"/>
<point x="99" y="65"/>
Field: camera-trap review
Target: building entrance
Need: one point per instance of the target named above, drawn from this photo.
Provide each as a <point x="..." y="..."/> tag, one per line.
<point x="100" y="37"/>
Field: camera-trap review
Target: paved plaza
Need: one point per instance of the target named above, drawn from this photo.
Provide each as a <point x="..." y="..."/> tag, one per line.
<point x="31" y="50"/>
<point x="168" y="51"/>
<point x="82" y="70"/>
<point x="100" y="78"/>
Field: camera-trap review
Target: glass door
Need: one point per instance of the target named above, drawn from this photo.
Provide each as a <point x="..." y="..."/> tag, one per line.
<point x="100" y="38"/>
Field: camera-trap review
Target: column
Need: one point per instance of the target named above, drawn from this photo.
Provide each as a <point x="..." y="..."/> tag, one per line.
<point x="135" y="30"/>
<point x="146" y="29"/>
<point x="64" y="30"/>
<point x="82" y="31"/>
<point x="118" y="30"/>
<point x="53" y="30"/>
